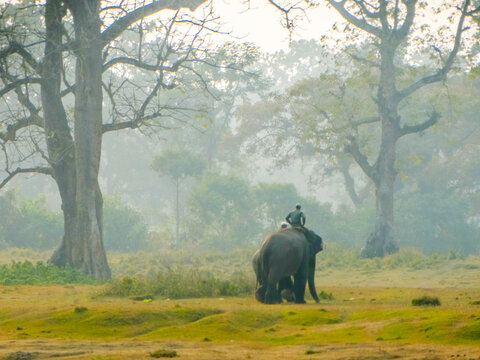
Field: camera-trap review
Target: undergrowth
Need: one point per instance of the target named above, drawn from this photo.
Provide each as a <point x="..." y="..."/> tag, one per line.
<point x="426" y="301"/>
<point x="180" y="282"/>
<point x="26" y="273"/>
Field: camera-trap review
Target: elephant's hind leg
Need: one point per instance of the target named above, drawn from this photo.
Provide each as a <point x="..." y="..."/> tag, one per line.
<point x="272" y="296"/>
<point x="260" y="293"/>
<point x="300" y="281"/>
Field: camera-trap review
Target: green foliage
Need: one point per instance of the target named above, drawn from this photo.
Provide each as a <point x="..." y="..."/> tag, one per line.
<point x="178" y="164"/>
<point x="22" y="273"/>
<point x="325" y="296"/>
<point x="436" y="222"/>
<point x="20" y="355"/>
<point x="426" y="301"/>
<point x="273" y="201"/>
<point x="178" y="283"/>
<point x="223" y="212"/>
<point x="124" y="227"/>
<point x="28" y="223"/>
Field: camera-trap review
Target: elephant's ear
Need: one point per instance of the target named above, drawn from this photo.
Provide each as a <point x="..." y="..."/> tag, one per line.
<point x="315" y="241"/>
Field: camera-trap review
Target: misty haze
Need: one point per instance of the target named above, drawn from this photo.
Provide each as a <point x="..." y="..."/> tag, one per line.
<point x="239" y="179"/>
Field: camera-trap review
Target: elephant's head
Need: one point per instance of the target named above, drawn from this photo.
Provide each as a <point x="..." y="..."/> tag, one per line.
<point x="315" y="241"/>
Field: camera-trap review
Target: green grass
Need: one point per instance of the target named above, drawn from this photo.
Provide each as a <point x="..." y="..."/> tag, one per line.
<point x="367" y="305"/>
<point x="240" y="319"/>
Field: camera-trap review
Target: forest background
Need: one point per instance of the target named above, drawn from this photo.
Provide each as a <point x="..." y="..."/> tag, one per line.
<point x="201" y="180"/>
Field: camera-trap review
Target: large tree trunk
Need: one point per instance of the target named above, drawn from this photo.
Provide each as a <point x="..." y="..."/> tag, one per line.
<point x="59" y="139"/>
<point x="88" y="252"/>
<point x="381" y="240"/>
<point x="177" y="211"/>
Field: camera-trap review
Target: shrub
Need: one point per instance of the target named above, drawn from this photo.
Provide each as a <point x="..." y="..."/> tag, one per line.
<point x="426" y="301"/>
<point x="123" y="227"/>
<point x="325" y="296"/>
<point x="180" y="282"/>
<point x="19" y="355"/>
<point x="26" y="273"/>
<point x="28" y="223"/>
<point x="163" y="353"/>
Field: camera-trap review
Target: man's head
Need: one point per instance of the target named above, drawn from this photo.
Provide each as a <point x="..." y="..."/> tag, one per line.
<point x="298" y="206"/>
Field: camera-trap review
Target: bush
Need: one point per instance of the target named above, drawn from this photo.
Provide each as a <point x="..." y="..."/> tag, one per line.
<point x="426" y="301"/>
<point x="180" y="282"/>
<point x="28" y="223"/>
<point x="123" y="227"/>
<point x="163" y="353"/>
<point x="26" y="273"/>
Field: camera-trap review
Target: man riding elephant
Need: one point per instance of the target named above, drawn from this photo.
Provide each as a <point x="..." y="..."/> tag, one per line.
<point x="281" y="255"/>
<point x="296" y="217"/>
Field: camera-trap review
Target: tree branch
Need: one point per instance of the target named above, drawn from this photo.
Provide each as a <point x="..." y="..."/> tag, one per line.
<point x="123" y="23"/>
<point x="353" y="149"/>
<point x="12" y="129"/>
<point x="349" y="181"/>
<point x="12" y="174"/>
<point x="13" y="85"/>
<point x="142" y="65"/>
<point x="441" y="74"/>
<point x="407" y="129"/>
<point x="360" y="23"/>
<point x="408" y="22"/>
<point x="14" y="47"/>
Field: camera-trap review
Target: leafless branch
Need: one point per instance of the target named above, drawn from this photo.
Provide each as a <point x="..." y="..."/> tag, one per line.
<point x="13" y="85"/>
<point x="142" y="65"/>
<point x="123" y="23"/>
<point x="12" y="174"/>
<point x="12" y="129"/>
<point x="15" y="47"/>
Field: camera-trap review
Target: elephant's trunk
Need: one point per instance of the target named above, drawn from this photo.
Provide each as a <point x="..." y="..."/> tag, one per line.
<point x="311" y="279"/>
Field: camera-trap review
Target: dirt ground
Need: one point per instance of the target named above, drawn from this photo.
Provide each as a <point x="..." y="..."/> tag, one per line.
<point x="76" y="350"/>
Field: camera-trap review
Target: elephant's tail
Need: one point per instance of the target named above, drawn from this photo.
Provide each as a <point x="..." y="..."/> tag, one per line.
<point x="263" y="268"/>
<point x="259" y="272"/>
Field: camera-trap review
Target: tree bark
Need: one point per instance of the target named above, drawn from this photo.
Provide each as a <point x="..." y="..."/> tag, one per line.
<point x="381" y="240"/>
<point x="177" y="211"/>
<point x="88" y="253"/>
<point x="60" y="144"/>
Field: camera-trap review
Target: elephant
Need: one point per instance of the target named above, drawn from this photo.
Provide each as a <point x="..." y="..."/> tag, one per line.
<point x="283" y="254"/>
<point x="285" y="285"/>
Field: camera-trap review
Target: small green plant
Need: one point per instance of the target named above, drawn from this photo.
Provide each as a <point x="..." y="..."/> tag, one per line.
<point x="426" y="301"/>
<point x="325" y="296"/>
<point x="80" y="309"/>
<point x="164" y="353"/>
<point x="19" y="355"/>
<point x="311" y="352"/>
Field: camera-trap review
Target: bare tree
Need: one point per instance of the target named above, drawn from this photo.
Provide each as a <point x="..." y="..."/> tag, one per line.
<point x="52" y="122"/>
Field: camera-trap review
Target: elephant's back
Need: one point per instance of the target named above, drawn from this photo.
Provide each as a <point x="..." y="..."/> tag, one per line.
<point x="283" y="247"/>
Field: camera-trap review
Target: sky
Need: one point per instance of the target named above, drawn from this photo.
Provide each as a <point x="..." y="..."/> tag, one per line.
<point x="261" y="23"/>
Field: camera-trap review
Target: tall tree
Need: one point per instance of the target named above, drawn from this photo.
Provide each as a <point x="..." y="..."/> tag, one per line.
<point x="390" y="24"/>
<point x="390" y="27"/>
<point x="178" y="165"/>
<point x="84" y="37"/>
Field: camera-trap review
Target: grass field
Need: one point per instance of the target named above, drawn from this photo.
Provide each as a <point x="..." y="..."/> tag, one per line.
<point x="370" y="316"/>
